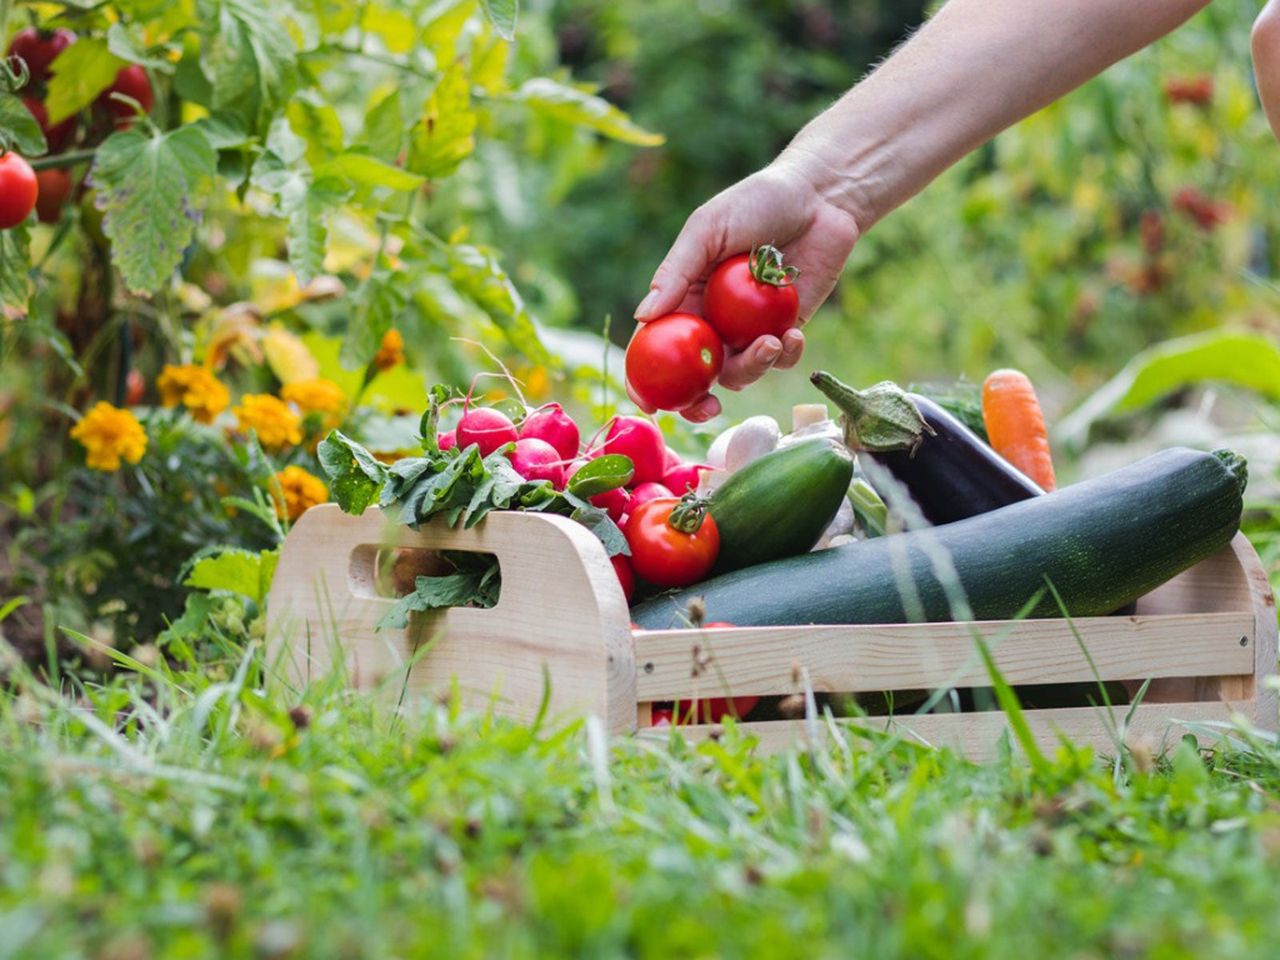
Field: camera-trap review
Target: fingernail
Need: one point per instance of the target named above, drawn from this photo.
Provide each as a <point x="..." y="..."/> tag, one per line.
<point x="770" y="351"/>
<point x="646" y="305"/>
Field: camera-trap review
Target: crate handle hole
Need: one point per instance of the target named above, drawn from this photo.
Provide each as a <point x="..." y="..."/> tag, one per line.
<point x="393" y="572"/>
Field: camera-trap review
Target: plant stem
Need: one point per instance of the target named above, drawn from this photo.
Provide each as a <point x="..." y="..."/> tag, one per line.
<point x="68" y="159"/>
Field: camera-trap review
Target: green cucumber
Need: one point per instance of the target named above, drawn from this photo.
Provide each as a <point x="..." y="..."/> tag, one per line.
<point x="1102" y="543"/>
<point x="779" y="505"/>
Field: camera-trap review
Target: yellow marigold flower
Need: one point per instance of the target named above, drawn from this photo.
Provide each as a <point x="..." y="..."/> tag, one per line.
<point x="109" y="435"/>
<point x="298" y="492"/>
<point x="195" y="388"/>
<point x="276" y="424"/>
<point x="315" y="396"/>
<point x="391" y="352"/>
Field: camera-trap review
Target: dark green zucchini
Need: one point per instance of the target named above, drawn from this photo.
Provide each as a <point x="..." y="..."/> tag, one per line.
<point x="1102" y="543"/>
<point x="778" y="506"/>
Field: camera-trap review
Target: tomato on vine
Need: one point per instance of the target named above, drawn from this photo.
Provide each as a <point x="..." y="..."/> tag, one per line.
<point x="54" y="188"/>
<point x="751" y="296"/>
<point x="673" y="542"/>
<point x="39" y="49"/>
<point x="132" y="82"/>
<point x="673" y="361"/>
<point x="18" y="190"/>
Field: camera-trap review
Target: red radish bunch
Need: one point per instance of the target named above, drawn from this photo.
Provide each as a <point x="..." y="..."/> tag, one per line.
<point x="641" y="440"/>
<point x="683" y="477"/>
<point x="487" y="428"/>
<point x="644" y="492"/>
<point x="536" y="459"/>
<point x="622" y="567"/>
<point x="551" y="424"/>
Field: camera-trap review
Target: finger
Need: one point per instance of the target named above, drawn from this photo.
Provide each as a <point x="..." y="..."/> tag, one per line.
<point x="751" y="364"/>
<point x="696" y="248"/>
<point x="637" y="401"/>
<point x="792" y="349"/>
<point x="702" y="410"/>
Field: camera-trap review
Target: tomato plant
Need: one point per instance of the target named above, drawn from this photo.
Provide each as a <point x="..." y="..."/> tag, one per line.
<point x="673" y="542"/>
<point x="751" y="296"/>
<point x="18" y="190"/>
<point x="674" y="360"/>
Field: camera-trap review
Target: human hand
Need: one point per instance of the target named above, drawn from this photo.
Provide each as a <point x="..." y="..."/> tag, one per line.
<point x="782" y="205"/>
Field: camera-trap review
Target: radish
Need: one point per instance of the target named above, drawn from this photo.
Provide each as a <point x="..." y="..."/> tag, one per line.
<point x="616" y="501"/>
<point x="641" y="440"/>
<point x="552" y="424"/>
<point x="672" y="461"/>
<point x="536" y="459"/>
<point x="447" y="440"/>
<point x="622" y="567"/>
<point x="487" y="428"/>
<point x="645" y="492"/>
<point x="684" y="477"/>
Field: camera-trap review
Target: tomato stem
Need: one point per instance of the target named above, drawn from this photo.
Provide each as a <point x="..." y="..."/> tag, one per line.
<point x="688" y="514"/>
<point x="767" y="266"/>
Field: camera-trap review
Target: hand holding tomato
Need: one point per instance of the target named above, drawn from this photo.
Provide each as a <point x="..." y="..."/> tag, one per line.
<point x="787" y="204"/>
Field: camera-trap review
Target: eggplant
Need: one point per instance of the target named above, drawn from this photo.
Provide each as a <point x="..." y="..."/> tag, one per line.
<point x="950" y="472"/>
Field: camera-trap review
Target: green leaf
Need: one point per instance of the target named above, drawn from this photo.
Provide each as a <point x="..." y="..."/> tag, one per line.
<point x="445" y="135"/>
<point x="15" y="268"/>
<point x="471" y="587"/>
<point x="81" y="72"/>
<point x="237" y="571"/>
<point x="601" y="475"/>
<point x="123" y="46"/>
<point x="475" y="273"/>
<point x="247" y="56"/>
<point x="149" y="188"/>
<point x="370" y="172"/>
<point x="18" y="128"/>
<point x="384" y="128"/>
<point x="224" y="130"/>
<point x="581" y="109"/>
<point x="282" y="170"/>
<point x="1242" y="359"/>
<point x="380" y="298"/>
<point x="317" y="124"/>
<point x="598" y="521"/>
<point x="356" y="478"/>
<point x="502" y="14"/>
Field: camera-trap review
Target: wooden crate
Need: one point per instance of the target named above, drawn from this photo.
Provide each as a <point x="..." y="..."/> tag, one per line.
<point x="561" y="629"/>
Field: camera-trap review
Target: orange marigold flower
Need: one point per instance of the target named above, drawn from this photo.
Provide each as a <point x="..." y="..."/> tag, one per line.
<point x="109" y="435"/>
<point x="315" y="396"/>
<point x="195" y="388"/>
<point x="276" y="424"/>
<point x="298" y="492"/>
<point x="391" y="352"/>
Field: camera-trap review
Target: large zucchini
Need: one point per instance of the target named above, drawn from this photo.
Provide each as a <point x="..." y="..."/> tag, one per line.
<point x="1101" y="543"/>
<point x="779" y="505"/>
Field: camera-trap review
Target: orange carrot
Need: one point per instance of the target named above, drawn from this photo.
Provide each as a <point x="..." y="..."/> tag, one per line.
<point x="1015" y="425"/>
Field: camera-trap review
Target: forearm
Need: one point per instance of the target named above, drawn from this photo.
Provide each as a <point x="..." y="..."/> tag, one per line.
<point x="977" y="67"/>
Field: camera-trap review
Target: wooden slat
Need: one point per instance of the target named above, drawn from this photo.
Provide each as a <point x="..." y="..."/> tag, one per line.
<point x="854" y="659"/>
<point x="975" y="735"/>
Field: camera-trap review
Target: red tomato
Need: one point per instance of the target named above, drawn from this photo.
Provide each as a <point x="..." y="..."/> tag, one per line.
<point x="674" y="360"/>
<point x="18" y="190"/>
<point x="622" y="567"/>
<point x="39" y="50"/>
<point x="751" y="296"/>
<point x="54" y="188"/>
<point x="673" y="542"/>
<point x="132" y="82"/>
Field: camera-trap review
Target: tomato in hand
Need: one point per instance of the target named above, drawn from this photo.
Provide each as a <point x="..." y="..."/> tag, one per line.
<point x="18" y="190"/>
<point x="673" y="542"/>
<point x="673" y="361"/>
<point x="751" y="296"/>
<point x="54" y="188"/>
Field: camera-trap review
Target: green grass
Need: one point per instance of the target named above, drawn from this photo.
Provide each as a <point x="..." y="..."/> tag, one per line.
<point x="183" y="813"/>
